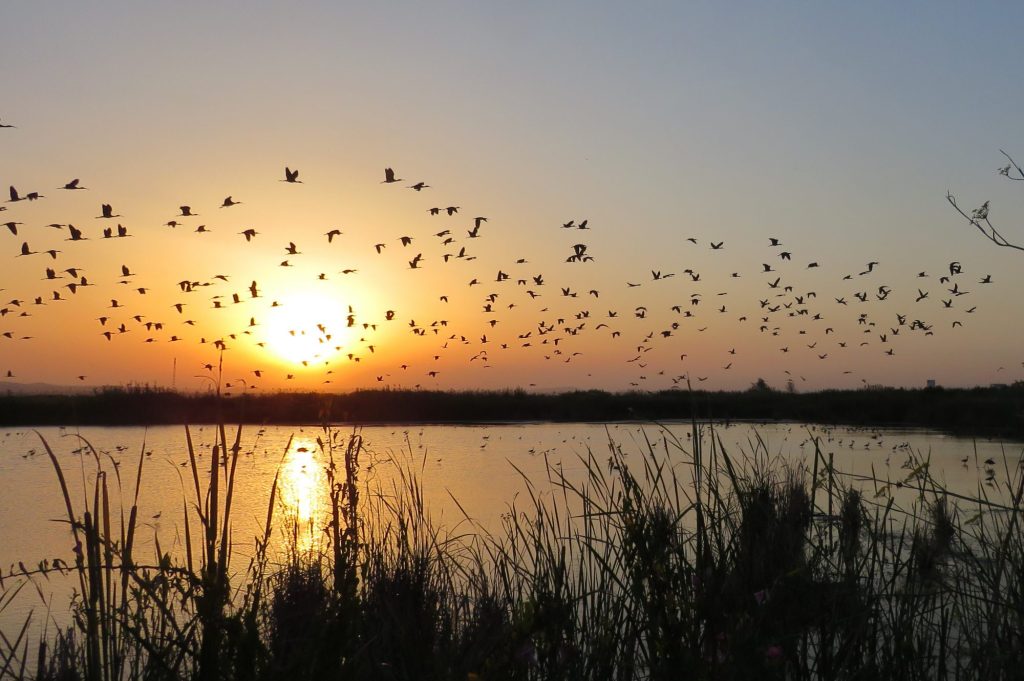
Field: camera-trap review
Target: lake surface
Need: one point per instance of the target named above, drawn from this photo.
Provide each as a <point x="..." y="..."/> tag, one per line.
<point x="483" y="467"/>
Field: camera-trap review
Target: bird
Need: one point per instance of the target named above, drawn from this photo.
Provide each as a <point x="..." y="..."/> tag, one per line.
<point x="72" y="185"/>
<point x="331" y="234"/>
<point x="107" y="212"/>
<point x="291" y="176"/>
<point x="228" y="202"/>
<point x="419" y="186"/>
<point x="389" y="176"/>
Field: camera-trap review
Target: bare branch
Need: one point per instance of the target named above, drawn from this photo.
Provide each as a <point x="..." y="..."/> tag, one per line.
<point x="1005" y="170"/>
<point x="979" y="216"/>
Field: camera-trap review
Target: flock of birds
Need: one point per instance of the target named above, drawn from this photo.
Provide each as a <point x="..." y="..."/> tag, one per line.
<point x="521" y="311"/>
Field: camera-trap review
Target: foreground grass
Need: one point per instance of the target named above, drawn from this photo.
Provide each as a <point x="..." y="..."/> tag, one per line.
<point x="686" y="561"/>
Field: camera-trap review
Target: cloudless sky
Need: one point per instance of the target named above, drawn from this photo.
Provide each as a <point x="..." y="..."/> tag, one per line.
<point x="835" y="127"/>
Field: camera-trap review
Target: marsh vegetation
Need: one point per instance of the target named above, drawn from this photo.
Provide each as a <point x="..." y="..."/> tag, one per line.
<point x="682" y="559"/>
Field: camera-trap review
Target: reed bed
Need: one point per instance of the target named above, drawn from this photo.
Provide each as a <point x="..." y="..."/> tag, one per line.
<point x="680" y="560"/>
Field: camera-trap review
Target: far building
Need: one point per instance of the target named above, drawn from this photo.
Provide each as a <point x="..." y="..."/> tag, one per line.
<point x="930" y="383"/>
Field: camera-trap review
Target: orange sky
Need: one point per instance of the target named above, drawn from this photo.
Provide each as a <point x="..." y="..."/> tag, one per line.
<point x="624" y="139"/>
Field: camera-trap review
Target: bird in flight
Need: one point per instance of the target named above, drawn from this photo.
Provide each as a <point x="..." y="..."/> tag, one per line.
<point x="73" y="184"/>
<point x="419" y="186"/>
<point x="389" y="176"/>
<point x="291" y="176"/>
<point x="107" y="212"/>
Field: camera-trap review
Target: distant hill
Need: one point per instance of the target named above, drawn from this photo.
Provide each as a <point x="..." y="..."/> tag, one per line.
<point x="10" y="388"/>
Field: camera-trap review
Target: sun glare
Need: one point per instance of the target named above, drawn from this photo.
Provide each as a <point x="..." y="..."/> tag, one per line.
<point x="306" y="328"/>
<point x="301" y="484"/>
<point x="301" y="481"/>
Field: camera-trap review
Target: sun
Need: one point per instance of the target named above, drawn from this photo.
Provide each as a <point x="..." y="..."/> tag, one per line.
<point x="306" y="328"/>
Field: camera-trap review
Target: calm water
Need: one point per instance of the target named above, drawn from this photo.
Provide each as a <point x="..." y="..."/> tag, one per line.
<point x="474" y="464"/>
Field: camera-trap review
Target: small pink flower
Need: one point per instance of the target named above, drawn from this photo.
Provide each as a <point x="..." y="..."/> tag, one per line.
<point x="773" y="653"/>
<point x="761" y="596"/>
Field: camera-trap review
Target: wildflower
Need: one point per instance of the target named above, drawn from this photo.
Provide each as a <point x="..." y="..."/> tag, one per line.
<point x="773" y="654"/>
<point x="761" y="596"/>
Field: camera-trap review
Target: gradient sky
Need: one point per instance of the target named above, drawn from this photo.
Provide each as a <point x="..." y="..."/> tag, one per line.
<point x="834" y="127"/>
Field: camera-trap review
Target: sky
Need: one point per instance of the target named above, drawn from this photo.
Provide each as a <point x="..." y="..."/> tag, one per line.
<point x="835" y="128"/>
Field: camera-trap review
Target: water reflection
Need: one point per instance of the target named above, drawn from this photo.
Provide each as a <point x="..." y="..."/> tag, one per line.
<point x="301" y="485"/>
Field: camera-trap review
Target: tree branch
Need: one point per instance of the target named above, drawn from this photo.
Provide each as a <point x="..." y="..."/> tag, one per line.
<point x="979" y="218"/>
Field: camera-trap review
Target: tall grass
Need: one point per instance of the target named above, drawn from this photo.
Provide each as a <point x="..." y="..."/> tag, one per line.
<point x="681" y="559"/>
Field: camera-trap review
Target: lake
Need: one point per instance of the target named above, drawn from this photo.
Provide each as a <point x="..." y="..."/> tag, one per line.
<point x="483" y="467"/>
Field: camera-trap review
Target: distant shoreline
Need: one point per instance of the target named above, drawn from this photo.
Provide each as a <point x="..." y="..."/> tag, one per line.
<point x="989" y="412"/>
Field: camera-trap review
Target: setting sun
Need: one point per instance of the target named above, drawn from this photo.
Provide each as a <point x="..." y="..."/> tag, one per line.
<point x="307" y="328"/>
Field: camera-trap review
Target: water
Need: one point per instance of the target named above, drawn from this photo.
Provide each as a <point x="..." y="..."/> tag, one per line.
<point x="481" y="466"/>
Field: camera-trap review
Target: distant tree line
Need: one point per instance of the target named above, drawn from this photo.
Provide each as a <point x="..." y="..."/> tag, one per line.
<point x="995" y="411"/>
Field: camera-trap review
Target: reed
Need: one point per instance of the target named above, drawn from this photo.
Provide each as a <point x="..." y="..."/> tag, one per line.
<point x="680" y="558"/>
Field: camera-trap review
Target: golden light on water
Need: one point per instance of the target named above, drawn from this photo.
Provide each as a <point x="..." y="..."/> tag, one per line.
<point x="302" y="483"/>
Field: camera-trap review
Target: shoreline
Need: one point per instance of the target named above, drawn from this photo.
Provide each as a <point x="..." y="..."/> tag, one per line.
<point x="994" y="412"/>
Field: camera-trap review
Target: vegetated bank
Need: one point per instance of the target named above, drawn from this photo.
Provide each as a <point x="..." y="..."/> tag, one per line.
<point x="992" y="411"/>
<point x="728" y="566"/>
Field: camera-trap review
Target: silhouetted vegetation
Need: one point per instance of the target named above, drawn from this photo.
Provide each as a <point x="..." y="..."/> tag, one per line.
<point x="994" y="411"/>
<point x="691" y="561"/>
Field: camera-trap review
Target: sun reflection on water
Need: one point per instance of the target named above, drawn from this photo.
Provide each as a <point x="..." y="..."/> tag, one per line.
<point x="302" y="483"/>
